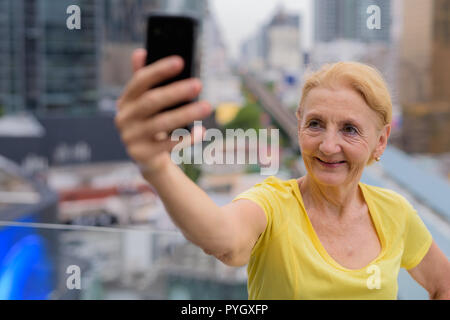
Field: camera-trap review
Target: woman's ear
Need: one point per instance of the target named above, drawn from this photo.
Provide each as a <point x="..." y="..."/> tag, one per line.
<point x="297" y="113"/>
<point x="382" y="140"/>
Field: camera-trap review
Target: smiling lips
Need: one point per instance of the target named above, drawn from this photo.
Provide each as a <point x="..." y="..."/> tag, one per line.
<point x="331" y="164"/>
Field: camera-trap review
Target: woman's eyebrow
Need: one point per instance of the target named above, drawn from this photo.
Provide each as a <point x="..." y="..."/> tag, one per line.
<point x="313" y="115"/>
<point x="350" y="121"/>
<point x="320" y="117"/>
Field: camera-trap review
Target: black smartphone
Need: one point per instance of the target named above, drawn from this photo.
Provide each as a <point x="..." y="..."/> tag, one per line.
<point x="174" y="35"/>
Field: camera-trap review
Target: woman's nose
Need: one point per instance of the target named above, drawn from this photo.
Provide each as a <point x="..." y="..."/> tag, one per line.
<point x="330" y="143"/>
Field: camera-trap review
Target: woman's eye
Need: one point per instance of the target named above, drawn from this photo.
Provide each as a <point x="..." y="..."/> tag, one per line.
<point x="350" y="129"/>
<point x="313" y="124"/>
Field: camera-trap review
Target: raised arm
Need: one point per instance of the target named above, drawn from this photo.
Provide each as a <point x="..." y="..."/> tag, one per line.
<point x="228" y="232"/>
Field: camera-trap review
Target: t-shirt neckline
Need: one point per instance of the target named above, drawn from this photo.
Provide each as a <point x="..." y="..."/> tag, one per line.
<point x="321" y="249"/>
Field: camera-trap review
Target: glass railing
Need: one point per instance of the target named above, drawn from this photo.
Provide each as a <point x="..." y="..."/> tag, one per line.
<point x="56" y="261"/>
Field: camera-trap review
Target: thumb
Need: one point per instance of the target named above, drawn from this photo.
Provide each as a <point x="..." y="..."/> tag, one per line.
<point x="138" y="59"/>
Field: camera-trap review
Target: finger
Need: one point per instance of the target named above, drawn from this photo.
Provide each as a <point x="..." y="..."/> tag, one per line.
<point x="141" y="131"/>
<point x="138" y="59"/>
<point x="196" y="136"/>
<point x="160" y="136"/>
<point x="178" y="118"/>
<point x="137" y="62"/>
<point x="152" y="128"/>
<point x="149" y="76"/>
<point x="155" y="100"/>
<point x="181" y="143"/>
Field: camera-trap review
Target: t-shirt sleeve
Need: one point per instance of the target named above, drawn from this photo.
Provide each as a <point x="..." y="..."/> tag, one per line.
<point x="417" y="239"/>
<point x="263" y="194"/>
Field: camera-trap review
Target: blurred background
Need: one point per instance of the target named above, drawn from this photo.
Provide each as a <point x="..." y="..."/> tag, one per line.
<point x="69" y="194"/>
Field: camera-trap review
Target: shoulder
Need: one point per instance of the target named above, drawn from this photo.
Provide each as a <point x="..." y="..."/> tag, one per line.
<point x="273" y="194"/>
<point x="286" y="191"/>
<point x="276" y="184"/>
<point x="391" y="205"/>
<point x="272" y="186"/>
<point x="384" y="196"/>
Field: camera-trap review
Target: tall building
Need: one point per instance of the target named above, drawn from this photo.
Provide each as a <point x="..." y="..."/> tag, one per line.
<point x="124" y="19"/>
<point x="347" y="19"/>
<point x="276" y="45"/>
<point x="125" y="30"/>
<point x="47" y="68"/>
<point x="44" y="66"/>
<point x="57" y="72"/>
<point x="414" y="54"/>
<point x="424" y="78"/>
<point x="440" y="67"/>
<point x="253" y="50"/>
<point x="284" y="50"/>
<point x="215" y="68"/>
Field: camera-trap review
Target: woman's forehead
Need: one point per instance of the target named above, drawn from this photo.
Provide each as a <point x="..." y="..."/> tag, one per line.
<point x="337" y="101"/>
<point x="334" y="95"/>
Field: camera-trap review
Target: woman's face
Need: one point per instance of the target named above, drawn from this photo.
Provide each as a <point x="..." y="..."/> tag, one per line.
<point x="338" y="135"/>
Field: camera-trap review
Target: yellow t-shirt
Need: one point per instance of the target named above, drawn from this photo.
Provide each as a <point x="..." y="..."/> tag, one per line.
<point x="289" y="262"/>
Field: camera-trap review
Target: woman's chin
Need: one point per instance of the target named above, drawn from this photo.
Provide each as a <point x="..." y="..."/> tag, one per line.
<point x="330" y="178"/>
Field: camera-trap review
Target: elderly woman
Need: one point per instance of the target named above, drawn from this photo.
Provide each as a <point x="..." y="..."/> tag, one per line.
<point x="325" y="235"/>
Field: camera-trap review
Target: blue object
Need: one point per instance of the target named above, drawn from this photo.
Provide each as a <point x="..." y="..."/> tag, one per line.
<point x="290" y="79"/>
<point x="25" y="268"/>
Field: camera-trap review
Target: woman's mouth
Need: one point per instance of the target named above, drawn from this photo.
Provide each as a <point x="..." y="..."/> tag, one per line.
<point x="331" y="164"/>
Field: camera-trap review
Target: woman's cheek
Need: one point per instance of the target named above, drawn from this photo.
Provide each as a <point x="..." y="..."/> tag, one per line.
<point x="306" y="148"/>
<point x="307" y="139"/>
<point x="358" y="147"/>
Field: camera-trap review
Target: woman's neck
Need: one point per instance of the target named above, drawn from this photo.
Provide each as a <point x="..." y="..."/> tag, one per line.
<point x="338" y="202"/>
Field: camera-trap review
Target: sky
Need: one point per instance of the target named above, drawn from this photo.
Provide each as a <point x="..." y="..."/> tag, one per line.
<point x="239" y="19"/>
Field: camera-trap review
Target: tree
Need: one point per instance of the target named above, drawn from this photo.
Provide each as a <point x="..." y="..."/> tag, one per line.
<point x="248" y="117"/>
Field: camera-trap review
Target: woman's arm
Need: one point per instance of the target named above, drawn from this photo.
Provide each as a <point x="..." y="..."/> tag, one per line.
<point x="228" y="233"/>
<point x="433" y="273"/>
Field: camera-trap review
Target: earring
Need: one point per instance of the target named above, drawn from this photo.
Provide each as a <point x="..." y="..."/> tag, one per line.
<point x="377" y="158"/>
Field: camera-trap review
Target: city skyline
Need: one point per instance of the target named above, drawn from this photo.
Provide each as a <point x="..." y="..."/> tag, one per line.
<point x="240" y="20"/>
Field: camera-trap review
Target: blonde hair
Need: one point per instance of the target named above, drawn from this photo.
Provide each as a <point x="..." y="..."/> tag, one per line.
<point x="365" y="80"/>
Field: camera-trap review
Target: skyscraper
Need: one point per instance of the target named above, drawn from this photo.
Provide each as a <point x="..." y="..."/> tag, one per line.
<point x="125" y="27"/>
<point x="124" y="19"/>
<point x="424" y="78"/>
<point x="44" y="66"/>
<point x="441" y="51"/>
<point x="283" y="42"/>
<point x="347" y="19"/>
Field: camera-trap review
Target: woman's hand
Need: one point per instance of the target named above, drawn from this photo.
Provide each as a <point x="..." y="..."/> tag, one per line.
<point x="143" y="130"/>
